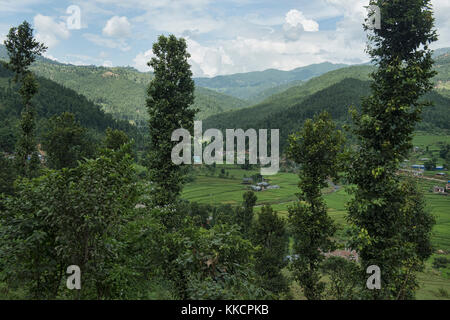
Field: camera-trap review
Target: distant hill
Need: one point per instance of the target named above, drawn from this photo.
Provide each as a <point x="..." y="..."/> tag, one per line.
<point x="334" y="92"/>
<point x="246" y="118"/>
<point x="442" y="66"/>
<point x="336" y="99"/>
<point x="121" y="91"/>
<point x="441" y="51"/>
<point x="249" y="86"/>
<point x="275" y="90"/>
<point x="52" y="99"/>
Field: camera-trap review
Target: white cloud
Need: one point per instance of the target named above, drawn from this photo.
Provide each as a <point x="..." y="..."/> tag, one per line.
<point x="118" y="27"/>
<point x="141" y="60"/>
<point x="240" y="35"/>
<point x="49" y="56"/>
<point x="107" y="64"/>
<point x="18" y="6"/>
<point x="295" y="18"/>
<point x="48" y="31"/>
<point x="441" y="10"/>
<point x="208" y="61"/>
<point x="109" y="43"/>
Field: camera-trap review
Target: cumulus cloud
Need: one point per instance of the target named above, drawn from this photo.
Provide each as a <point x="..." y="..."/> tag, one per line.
<point x="295" y="18"/>
<point x="296" y="23"/>
<point x="442" y="15"/>
<point x="118" y="27"/>
<point x="49" y="31"/>
<point x="241" y="39"/>
<point x="141" y="60"/>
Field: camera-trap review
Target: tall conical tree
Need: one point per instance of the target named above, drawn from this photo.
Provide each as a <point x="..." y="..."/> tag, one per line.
<point x="316" y="148"/>
<point x="170" y="95"/>
<point x="22" y="50"/>
<point x="392" y="229"/>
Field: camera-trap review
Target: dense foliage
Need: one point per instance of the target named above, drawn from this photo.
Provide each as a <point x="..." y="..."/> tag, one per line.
<point x="170" y="96"/>
<point x="316" y="149"/>
<point x="392" y="227"/>
<point x="22" y="49"/>
<point x="93" y="204"/>
<point x="51" y="100"/>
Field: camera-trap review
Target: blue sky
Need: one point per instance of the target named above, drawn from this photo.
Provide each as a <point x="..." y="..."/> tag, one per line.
<point x="224" y="37"/>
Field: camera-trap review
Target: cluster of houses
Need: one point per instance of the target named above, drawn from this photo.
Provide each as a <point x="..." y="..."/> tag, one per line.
<point x="442" y="190"/>
<point x="41" y="155"/>
<point x="422" y="167"/>
<point x="260" y="186"/>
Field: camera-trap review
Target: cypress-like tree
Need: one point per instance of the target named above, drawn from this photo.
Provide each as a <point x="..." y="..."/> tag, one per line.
<point x="170" y="95"/>
<point x="244" y="214"/>
<point x="316" y="149"/>
<point x="391" y="226"/>
<point x="269" y="233"/>
<point x="22" y="51"/>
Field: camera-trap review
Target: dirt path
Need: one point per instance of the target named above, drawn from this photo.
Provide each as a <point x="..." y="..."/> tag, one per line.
<point x="423" y="177"/>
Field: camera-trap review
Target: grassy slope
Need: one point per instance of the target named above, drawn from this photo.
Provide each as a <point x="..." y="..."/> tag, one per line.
<point x="122" y="91"/>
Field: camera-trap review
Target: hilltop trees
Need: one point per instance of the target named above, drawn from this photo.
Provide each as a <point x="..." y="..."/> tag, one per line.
<point x="391" y="227"/>
<point x="115" y="139"/>
<point x="66" y="142"/>
<point x="22" y="50"/>
<point x="316" y="148"/>
<point x="170" y="95"/>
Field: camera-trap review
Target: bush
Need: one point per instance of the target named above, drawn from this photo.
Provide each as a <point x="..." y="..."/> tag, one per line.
<point x="441" y="262"/>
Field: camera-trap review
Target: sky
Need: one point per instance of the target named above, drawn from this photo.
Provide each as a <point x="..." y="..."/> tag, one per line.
<point x="223" y="36"/>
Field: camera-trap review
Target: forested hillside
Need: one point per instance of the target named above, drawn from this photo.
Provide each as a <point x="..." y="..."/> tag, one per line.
<point x="121" y="91"/>
<point x="334" y="92"/>
<point x="246" y="118"/>
<point x="442" y="65"/>
<point x="251" y="86"/>
<point x="52" y="99"/>
<point x="337" y="99"/>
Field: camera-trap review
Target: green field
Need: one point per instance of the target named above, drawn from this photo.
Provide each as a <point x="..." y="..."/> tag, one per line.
<point x="215" y="190"/>
<point x="424" y="139"/>
<point x="211" y="190"/>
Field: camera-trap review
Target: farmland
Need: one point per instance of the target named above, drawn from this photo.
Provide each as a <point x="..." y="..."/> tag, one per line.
<point x="212" y="189"/>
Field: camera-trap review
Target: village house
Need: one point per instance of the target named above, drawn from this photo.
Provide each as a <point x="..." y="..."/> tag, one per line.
<point x="439" y="190"/>
<point x="261" y="186"/>
<point x="256" y="188"/>
<point x="347" y="254"/>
